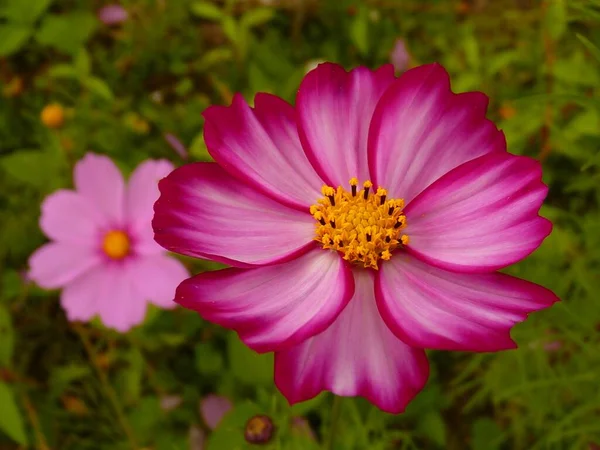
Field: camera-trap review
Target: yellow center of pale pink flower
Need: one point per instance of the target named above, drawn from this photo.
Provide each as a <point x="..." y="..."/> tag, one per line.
<point x="116" y="244"/>
<point x="364" y="226"/>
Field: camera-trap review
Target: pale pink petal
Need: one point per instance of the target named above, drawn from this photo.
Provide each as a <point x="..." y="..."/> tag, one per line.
<point x="213" y="408"/>
<point x="206" y="213"/>
<point x="99" y="180"/>
<point x="107" y="291"/>
<point x="432" y="308"/>
<point x="156" y="277"/>
<point x="356" y="355"/>
<point x="274" y="306"/>
<point x="481" y="216"/>
<point x="141" y="193"/>
<point x="421" y="130"/>
<point x="56" y="264"/>
<point x="334" y="111"/>
<point x="82" y="298"/>
<point x="261" y="147"/>
<point x="69" y="217"/>
<point x="121" y="306"/>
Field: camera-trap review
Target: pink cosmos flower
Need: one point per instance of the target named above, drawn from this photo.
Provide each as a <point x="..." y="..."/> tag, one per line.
<point x="102" y="252"/>
<point x="363" y="225"/>
<point x="213" y="408"/>
<point x="113" y="14"/>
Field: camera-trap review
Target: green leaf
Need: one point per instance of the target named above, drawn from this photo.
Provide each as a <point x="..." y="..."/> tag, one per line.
<point x="13" y="37"/>
<point x="130" y="379"/>
<point x="207" y="10"/>
<point x="556" y="18"/>
<point x="433" y="427"/>
<point x="593" y="49"/>
<point x="208" y="360"/>
<point x="213" y="57"/>
<point x="247" y="365"/>
<point x="25" y="12"/>
<point x="11" y="284"/>
<point x="302" y="408"/>
<point x="82" y="62"/>
<point x="63" y="376"/>
<point x="99" y="88"/>
<point x="11" y="421"/>
<point x="359" y="31"/>
<point x="256" y="17"/>
<point x="67" y="32"/>
<point x="7" y="337"/>
<point x="65" y="71"/>
<point x="231" y="29"/>
<point x="42" y="169"/>
<point x="485" y="435"/>
<point x="146" y="415"/>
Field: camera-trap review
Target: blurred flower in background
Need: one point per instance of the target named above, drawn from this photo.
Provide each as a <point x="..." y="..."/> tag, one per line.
<point x="400" y="57"/>
<point x="102" y="252"/>
<point x="213" y="408"/>
<point x="176" y="145"/>
<point x="113" y="14"/>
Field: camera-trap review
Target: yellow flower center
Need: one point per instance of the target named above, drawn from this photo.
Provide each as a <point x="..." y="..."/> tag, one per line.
<point x="116" y="244"/>
<point x="364" y="226"/>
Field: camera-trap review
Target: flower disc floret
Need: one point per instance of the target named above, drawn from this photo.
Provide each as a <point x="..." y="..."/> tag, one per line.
<point x="116" y="244"/>
<point x="364" y="226"/>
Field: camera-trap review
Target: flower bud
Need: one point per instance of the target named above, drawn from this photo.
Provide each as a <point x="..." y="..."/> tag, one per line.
<point x="259" y="430"/>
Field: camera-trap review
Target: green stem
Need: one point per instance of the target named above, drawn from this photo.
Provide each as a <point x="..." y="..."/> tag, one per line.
<point x="108" y="391"/>
<point x="335" y="416"/>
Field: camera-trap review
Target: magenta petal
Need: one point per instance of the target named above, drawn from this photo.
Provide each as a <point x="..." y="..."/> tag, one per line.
<point x="141" y="194"/>
<point x="213" y="408"/>
<point x="334" y="112"/>
<point x="56" y="264"/>
<point x="481" y="216"/>
<point x="421" y="130"/>
<point x="356" y="355"/>
<point x="69" y="217"/>
<point x="99" y="180"/>
<point x="273" y="307"/>
<point x="261" y="147"/>
<point x="156" y="277"/>
<point x="431" y="308"/>
<point x="206" y="213"/>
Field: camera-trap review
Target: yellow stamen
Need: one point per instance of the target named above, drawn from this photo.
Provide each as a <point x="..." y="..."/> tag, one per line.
<point x="116" y="244"/>
<point x="364" y="226"/>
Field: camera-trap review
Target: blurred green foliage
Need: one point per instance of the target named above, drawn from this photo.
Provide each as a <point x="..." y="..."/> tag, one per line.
<point x="72" y="387"/>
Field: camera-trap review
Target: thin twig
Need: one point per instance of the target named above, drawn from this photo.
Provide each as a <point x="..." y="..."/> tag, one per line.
<point x="42" y="444"/>
<point x="108" y="391"/>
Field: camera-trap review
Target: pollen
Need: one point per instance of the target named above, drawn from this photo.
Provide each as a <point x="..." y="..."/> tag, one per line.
<point x="364" y="226"/>
<point x="116" y="244"/>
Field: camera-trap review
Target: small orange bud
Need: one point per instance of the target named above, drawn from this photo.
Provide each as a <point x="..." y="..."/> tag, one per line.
<point x="13" y="88"/>
<point x="507" y="111"/>
<point x="259" y="430"/>
<point x="74" y="405"/>
<point x="53" y="115"/>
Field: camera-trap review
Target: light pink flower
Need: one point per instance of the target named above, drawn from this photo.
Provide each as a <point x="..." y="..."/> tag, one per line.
<point x="113" y="14"/>
<point x="399" y="56"/>
<point x="213" y="408"/>
<point x="102" y="252"/>
<point x="347" y="285"/>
